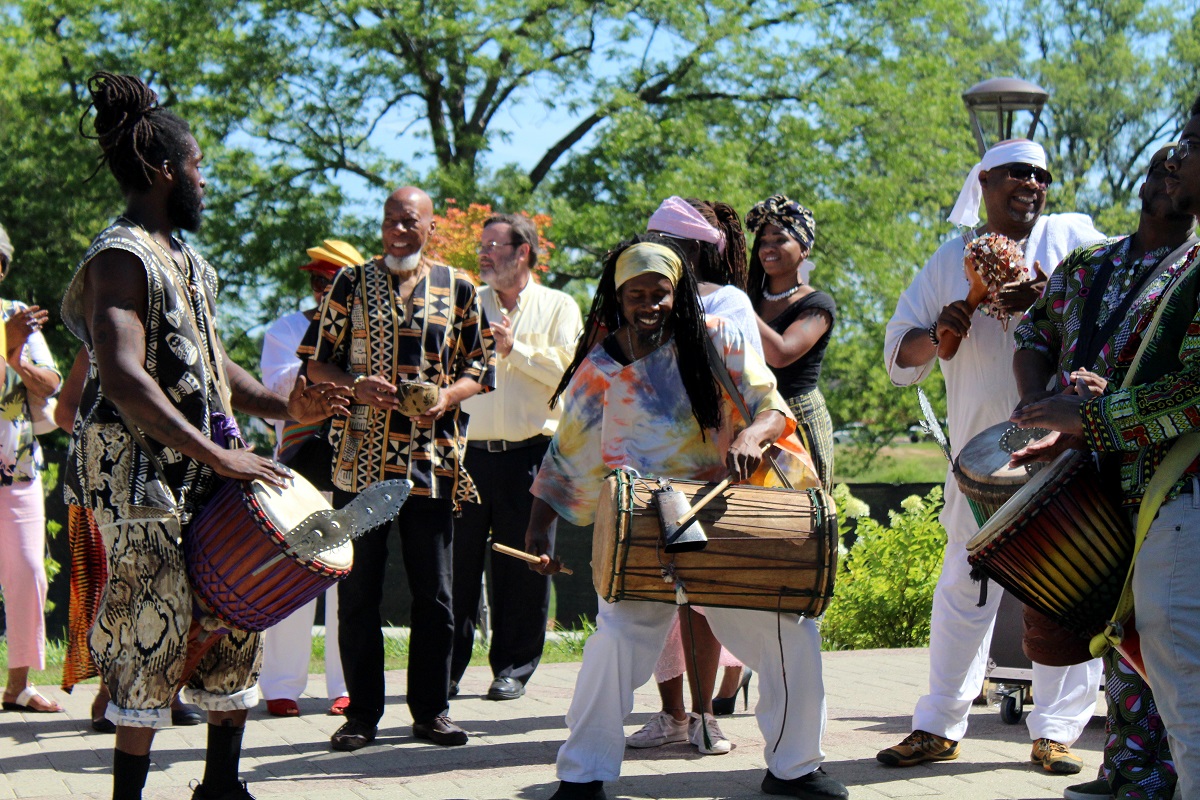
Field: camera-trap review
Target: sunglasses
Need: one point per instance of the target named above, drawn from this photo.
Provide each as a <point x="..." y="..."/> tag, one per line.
<point x="1023" y="172"/>
<point x="1179" y="152"/>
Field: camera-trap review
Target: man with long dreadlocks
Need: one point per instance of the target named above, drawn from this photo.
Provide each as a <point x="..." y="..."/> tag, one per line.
<point x="148" y="440"/>
<point x="646" y="398"/>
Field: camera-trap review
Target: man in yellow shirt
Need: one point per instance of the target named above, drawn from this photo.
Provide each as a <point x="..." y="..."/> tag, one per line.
<point x="535" y="329"/>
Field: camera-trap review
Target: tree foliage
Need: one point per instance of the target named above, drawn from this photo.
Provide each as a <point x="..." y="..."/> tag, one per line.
<point x="309" y="110"/>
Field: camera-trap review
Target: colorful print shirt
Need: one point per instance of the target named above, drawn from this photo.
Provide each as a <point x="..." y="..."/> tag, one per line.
<point x="1052" y="326"/>
<point x="639" y="416"/>
<point x="1142" y="422"/>
<point x="21" y="457"/>
<point x="363" y="329"/>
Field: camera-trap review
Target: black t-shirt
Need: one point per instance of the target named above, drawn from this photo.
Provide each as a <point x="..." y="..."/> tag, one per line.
<point x="801" y="375"/>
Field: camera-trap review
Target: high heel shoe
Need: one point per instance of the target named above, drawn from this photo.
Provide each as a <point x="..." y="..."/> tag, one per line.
<point x="724" y="706"/>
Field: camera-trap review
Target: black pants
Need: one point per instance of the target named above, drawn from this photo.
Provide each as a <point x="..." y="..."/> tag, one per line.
<point x="520" y="597"/>
<point x="425" y="527"/>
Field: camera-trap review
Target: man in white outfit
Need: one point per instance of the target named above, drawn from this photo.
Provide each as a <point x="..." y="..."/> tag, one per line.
<point x="1012" y="180"/>
<point x="287" y="646"/>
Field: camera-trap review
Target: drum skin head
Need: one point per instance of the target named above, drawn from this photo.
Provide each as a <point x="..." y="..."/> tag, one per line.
<point x="985" y="458"/>
<point x="287" y="508"/>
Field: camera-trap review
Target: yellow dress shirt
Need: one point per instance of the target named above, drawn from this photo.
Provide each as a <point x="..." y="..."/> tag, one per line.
<point x="546" y="324"/>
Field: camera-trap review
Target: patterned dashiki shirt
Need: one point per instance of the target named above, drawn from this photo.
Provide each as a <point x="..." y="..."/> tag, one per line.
<point x="639" y="415"/>
<point x="1052" y="326"/>
<point x="1142" y="422"/>
<point x="363" y="330"/>
<point x="179" y="310"/>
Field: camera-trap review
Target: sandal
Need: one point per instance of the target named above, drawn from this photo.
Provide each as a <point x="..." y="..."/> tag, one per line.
<point x="24" y="702"/>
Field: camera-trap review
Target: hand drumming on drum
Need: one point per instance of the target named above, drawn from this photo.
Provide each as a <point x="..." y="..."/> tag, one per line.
<point x="1060" y="412"/>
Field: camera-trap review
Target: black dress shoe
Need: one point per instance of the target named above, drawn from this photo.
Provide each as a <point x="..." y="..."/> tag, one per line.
<point x="569" y="790"/>
<point x="816" y="785"/>
<point x="352" y="736"/>
<point x="200" y="792"/>
<point x="440" y="730"/>
<point x="505" y="689"/>
<point x="103" y="725"/>
<point x="187" y="714"/>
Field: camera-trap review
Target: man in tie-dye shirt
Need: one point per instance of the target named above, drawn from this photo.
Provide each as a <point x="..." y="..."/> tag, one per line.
<point x="645" y="397"/>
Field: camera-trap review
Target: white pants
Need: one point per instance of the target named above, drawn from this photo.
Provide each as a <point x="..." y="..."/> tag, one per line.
<point x="620" y="656"/>
<point x="288" y="646"/>
<point x="960" y="639"/>
<point x="1166" y="592"/>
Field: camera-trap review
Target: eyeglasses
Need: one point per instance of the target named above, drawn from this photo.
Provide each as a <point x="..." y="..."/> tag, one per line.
<point x="1179" y="152"/>
<point x="1023" y="172"/>
<point x="489" y="246"/>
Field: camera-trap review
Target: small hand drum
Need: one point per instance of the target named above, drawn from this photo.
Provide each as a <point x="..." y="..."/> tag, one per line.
<point x="416" y="397"/>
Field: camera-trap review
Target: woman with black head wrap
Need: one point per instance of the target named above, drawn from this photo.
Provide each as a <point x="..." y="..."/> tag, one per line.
<point x="795" y="320"/>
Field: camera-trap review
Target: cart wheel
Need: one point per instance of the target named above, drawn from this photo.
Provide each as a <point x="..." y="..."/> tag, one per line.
<point x="1011" y="709"/>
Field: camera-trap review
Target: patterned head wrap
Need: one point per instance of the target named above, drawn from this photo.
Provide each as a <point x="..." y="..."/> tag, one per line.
<point x="789" y="216"/>
<point x="1010" y="151"/>
<point x="643" y="257"/>
<point x="676" y="217"/>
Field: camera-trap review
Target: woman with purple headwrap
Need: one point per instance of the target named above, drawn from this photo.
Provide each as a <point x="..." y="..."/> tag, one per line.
<point x="795" y="320"/>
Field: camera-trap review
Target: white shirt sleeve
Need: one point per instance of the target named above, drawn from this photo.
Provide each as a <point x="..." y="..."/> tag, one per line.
<point x="918" y="308"/>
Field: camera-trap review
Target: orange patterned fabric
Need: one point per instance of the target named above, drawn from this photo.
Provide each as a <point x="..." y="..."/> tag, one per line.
<point x="89" y="573"/>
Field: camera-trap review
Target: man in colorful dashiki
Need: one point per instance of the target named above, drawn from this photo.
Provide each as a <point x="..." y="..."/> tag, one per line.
<point x="535" y="329"/>
<point x="1012" y="180"/>
<point x="155" y="434"/>
<point x="1069" y="341"/>
<point x="1142" y="423"/>
<point x="399" y="318"/>
<point x="646" y="398"/>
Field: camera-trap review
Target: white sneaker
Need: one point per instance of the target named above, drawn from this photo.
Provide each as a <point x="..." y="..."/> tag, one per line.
<point x="661" y="729"/>
<point x="717" y="743"/>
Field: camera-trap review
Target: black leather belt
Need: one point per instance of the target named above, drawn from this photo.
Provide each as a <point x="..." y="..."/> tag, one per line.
<point x="503" y="445"/>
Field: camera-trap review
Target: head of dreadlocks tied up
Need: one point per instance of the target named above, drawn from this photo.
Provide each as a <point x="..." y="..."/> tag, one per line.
<point x="136" y="134"/>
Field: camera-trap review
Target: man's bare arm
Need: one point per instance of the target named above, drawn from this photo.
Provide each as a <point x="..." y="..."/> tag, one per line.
<point x="115" y="308"/>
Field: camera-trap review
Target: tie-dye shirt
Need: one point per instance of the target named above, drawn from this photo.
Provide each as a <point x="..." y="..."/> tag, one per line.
<point x="639" y="416"/>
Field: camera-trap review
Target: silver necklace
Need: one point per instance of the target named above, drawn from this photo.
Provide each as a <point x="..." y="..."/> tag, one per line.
<point x="784" y="294"/>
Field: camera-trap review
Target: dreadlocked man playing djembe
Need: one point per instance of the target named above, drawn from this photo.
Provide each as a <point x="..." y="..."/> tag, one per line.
<point x="646" y="398"/>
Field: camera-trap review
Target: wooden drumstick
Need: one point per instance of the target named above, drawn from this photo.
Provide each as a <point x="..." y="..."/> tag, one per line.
<point x="521" y="554"/>
<point x="688" y="515"/>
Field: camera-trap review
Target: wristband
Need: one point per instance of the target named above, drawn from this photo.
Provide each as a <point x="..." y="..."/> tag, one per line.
<point x="933" y="337"/>
<point x="354" y="386"/>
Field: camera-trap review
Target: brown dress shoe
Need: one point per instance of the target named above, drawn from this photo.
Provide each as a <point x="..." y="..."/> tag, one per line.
<point x="440" y="730"/>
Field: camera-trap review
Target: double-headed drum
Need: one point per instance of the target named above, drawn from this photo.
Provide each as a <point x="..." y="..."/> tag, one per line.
<point x="982" y="471"/>
<point x="769" y="549"/>
<point x="239" y="561"/>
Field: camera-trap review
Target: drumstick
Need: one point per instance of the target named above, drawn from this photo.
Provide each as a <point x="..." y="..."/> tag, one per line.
<point x="521" y="554"/>
<point x="688" y="515"/>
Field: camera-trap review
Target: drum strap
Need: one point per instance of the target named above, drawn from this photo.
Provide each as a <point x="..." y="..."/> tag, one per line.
<point x="717" y="363"/>
<point x="1174" y="464"/>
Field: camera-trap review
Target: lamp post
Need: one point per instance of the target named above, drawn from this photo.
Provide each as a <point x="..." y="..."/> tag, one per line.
<point x="1003" y="97"/>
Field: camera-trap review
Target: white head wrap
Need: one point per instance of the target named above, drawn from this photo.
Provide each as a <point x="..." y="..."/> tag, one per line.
<point x="1012" y="151"/>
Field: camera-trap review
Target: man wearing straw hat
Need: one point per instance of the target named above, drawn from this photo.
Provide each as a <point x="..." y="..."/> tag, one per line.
<point x="1152" y="423"/>
<point x="1012" y="180"/>
<point x="288" y="645"/>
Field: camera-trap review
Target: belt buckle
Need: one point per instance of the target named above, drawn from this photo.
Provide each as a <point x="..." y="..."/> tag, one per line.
<point x="496" y="445"/>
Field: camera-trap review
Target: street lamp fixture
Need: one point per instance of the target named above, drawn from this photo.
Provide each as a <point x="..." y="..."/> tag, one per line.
<point x="1003" y="97"/>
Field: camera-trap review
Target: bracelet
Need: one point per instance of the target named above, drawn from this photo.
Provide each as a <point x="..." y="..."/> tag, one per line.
<point x="354" y="386"/>
<point x="933" y="337"/>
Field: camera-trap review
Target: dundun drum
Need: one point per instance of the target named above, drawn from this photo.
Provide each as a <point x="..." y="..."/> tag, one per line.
<point x="982" y="472"/>
<point x="768" y="549"/>
<point x="233" y="550"/>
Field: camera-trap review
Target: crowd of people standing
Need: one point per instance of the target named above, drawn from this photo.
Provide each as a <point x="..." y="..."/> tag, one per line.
<point x="699" y="351"/>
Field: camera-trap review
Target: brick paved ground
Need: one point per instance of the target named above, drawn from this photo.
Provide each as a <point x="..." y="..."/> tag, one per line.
<point x="512" y="748"/>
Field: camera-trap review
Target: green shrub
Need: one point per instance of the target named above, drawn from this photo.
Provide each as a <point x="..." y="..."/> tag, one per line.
<point x="884" y="591"/>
